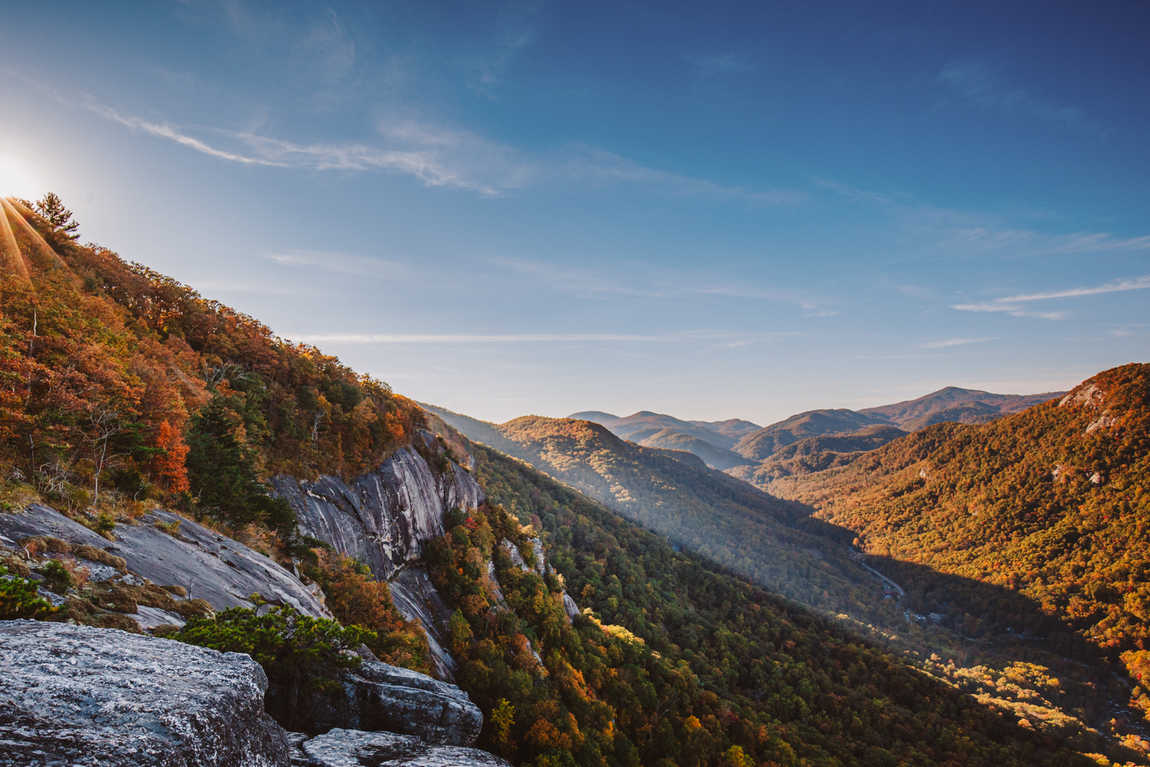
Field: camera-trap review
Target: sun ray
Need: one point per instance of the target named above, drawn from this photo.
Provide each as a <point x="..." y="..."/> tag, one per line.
<point x="11" y="259"/>
<point x="45" y="253"/>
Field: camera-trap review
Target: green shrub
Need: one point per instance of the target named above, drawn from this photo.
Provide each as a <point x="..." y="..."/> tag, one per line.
<point x="19" y="599"/>
<point x="58" y="577"/>
<point x="303" y="657"/>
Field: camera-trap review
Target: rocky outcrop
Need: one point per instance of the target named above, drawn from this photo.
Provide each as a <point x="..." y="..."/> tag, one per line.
<point x="378" y="696"/>
<point x="383" y="517"/>
<point x="76" y="696"/>
<point x="569" y="607"/>
<point x="169" y="550"/>
<point x="356" y="748"/>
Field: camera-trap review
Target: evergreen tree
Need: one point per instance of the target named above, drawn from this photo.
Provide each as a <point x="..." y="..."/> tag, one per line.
<point x="52" y="209"/>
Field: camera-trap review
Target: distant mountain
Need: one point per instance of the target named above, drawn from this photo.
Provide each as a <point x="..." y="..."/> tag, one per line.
<point x="999" y="646"/>
<point x="762" y="443"/>
<point x="955" y="404"/>
<point x="738" y="445"/>
<point x="816" y="453"/>
<point x="709" y="440"/>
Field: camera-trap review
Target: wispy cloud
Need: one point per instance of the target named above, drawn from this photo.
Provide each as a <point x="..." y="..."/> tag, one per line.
<point x="1115" y="286"/>
<point x="967" y="232"/>
<point x="469" y="338"/>
<point x="585" y="282"/>
<point x="1031" y="242"/>
<point x="697" y="336"/>
<point x="978" y="82"/>
<point x="1011" y="304"/>
<point x="597" y="164"/>
<point x="320" y="44"/>
<point x="339" y="263"/>
<point x="1010" y="309"/>
<point x="516" y="28"/>
<point x="444" y="157"/>
<point x="715" y="64"/>
<point x="165" y="131"/>
<point x="948" y="343"/>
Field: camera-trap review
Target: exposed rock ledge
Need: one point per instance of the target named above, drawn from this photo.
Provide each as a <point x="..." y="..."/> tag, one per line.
<point x="208" y="565"/>
<point x="355" y="748"/>
<point x="378" y="696"/>
<point x="76" y="696"/>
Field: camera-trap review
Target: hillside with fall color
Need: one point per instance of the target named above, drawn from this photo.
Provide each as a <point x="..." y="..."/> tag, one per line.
<point x="120" y="384"/>
<point x="1052" y="503"/>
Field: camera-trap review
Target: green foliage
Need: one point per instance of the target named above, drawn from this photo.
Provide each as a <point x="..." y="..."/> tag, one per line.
<point x="302" y="656"/>
<point x="19" y="598"/>
<point x="769" y="541"/>
<point x="356" y="598"/>
<point x="58" y="578"/>
<point x="222" y="471"/>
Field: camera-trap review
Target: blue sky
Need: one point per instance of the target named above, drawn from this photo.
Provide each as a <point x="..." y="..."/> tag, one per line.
<point x="715" y="210"/>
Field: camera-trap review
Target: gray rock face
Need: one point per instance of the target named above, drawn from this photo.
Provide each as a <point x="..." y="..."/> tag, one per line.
<point x="383" y="517"/>
<point x="76" y="696"/>
<point x="355" y="748"/>
<point x="569" y="607"/>
<point x="416" y="598"/>
<point x="209" y="565"/>
<point x="378" y="696"/>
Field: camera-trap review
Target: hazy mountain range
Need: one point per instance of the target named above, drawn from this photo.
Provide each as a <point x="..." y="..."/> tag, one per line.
<point x="749" y="450"/>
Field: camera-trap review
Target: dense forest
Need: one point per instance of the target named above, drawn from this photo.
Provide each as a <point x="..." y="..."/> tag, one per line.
<point x="1052" y="504"/>
<point x="673" y="662"/>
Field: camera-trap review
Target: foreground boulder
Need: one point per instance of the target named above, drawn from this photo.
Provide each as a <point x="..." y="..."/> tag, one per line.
<point x="356" y="748"/>
<point x="378" y="696"/>
<point x="79" y="696"/>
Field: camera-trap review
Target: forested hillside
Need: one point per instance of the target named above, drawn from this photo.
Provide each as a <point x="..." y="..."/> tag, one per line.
<point x="1052" y="503"/>
<point x="676" y="663"/>
<point x="119" y="384"/>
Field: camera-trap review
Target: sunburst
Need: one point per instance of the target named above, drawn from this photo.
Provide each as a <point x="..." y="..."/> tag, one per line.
<point x="18" y="177"/>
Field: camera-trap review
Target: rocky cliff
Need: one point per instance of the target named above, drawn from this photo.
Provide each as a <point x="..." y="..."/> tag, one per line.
<point x="382" y="519"/>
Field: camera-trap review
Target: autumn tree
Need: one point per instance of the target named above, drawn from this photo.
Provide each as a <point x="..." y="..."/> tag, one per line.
<point x="171" y="455"/>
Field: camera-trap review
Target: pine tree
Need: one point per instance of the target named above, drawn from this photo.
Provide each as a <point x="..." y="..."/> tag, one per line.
<point x="52" y="209"/>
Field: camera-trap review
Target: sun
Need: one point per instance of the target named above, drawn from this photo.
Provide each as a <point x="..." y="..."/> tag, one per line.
<point x="17" y="178"/>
